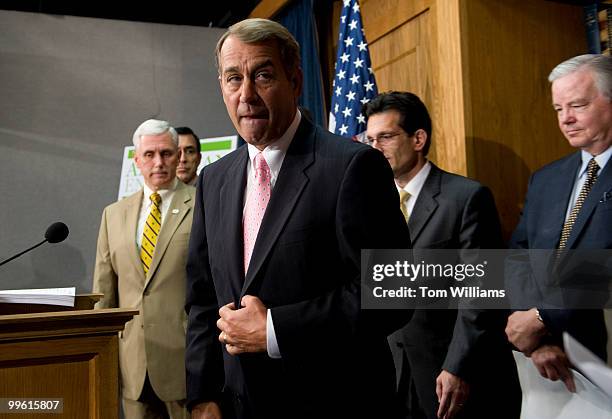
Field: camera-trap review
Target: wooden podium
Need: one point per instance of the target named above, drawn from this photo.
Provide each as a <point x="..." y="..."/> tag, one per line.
<point x="67" y="355"/>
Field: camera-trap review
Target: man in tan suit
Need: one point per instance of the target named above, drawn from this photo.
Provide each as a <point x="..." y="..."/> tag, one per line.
<point x="140" y="263"/>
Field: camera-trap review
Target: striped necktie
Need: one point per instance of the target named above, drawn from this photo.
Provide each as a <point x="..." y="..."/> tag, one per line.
<point x="592" y="169"/>
<point x="404" y="203"/>
<point x="150" y="232"/>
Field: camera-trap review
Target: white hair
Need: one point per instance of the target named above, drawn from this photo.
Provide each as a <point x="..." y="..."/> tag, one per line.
<point x="154" y="127"/>
<point x="599" y="65"/>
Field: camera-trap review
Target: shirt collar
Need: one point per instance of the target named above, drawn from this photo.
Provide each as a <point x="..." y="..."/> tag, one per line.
<point x="164" y="193"/>
<point x="414" y="185"/>
<point x="275" y="152"/>
<point x="601" y="159"/>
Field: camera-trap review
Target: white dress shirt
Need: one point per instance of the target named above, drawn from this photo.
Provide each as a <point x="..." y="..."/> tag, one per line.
<point x="275" y="155"/>
<point x="414" y="186"/>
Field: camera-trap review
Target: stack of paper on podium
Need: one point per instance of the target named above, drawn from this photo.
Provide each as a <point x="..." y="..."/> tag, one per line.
<point x="50" y="296"/>
<point x="37" y="300"/>
<point x="546" y="399"/>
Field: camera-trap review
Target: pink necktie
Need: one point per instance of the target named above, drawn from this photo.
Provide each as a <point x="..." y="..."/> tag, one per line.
<point x="256" y="204"/>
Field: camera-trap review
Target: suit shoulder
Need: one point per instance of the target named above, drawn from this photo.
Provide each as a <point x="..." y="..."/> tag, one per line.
<point x="337" y="144"/>
<point x="553" y="168"/>
<point x="459" y="182"/>
<point x="124" y="202"/>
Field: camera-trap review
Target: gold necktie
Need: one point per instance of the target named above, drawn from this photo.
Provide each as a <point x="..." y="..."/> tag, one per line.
<point x="404" y="203"/>
<point x="150" y="232"/>
<point x="592" y="169"/>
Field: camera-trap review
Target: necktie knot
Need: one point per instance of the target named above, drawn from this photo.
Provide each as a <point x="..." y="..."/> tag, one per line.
<point x="155" y="198"/>
<point x="262" y="170"/>
<point x="592" y="169"/>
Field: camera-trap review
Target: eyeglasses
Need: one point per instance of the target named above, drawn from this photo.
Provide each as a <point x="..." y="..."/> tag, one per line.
<point x="381" y="139"/>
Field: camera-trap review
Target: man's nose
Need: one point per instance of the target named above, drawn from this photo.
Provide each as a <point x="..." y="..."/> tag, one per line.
<point x="567" y="116"/>
<point x="248" y="93"/>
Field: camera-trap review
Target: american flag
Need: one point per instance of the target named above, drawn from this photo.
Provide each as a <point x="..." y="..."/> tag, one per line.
<point x="354" y="82"/>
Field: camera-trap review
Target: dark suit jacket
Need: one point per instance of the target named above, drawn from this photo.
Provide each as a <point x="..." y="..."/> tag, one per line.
<point x="549" y="192"/>
<point x="332" y="198"/>
<point x="454" y="212"/>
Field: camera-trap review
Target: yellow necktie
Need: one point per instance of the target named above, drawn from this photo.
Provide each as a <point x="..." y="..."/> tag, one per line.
<point x="404" y="203"/>
<point x="150" y="232"/>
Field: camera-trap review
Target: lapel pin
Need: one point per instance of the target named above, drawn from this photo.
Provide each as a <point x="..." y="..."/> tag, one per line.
<point x="175" y="211"/>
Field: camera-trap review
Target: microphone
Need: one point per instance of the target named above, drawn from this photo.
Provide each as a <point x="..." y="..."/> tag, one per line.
<point x="57" y="232"/>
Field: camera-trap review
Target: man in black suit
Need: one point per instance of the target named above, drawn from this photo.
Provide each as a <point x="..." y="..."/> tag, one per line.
<point x="443" y="358"/>
<point x="273" y="275"/>
<point x="568" y="207"/>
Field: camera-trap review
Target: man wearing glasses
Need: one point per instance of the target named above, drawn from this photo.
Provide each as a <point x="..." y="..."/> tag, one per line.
<point x="445" y="359"/>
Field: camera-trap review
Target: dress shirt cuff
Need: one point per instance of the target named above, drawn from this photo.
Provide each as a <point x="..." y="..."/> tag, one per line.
<point x="271" y="343"/>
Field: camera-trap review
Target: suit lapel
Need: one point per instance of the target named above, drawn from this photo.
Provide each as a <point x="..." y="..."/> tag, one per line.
<point x="291" y="182"/>
<point x="231" y="203"/>
<point x="426" y="203"/>
<point x="130" y="226"/>
<point x="176" y="214"/>
<point x="559" y="194"/>
<point x="601" y="186"/>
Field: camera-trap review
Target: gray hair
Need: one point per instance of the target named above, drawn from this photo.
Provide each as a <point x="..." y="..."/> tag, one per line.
<point x="255" y="30"/>
<point x="154" y="127"/>
<point x="599" y="65"/>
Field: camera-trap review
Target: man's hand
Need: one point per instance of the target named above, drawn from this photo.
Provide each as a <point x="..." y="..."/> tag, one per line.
<point x="452" y="393"/>
<point x="243" y="330"/>
<point x="524" y="330"/>
<point x="552" y="363"/>
<point x="207" y="410"/>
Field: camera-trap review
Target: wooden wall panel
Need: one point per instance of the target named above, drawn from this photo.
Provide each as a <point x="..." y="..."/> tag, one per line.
<point x="509" y="48"/>
<point x="402" y="60"/>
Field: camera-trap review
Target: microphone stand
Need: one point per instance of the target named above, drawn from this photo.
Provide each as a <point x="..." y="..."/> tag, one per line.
<point x="19" y="254"/>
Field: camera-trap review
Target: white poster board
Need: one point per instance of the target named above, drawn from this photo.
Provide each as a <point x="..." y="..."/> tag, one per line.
<point x="212" y="149"/>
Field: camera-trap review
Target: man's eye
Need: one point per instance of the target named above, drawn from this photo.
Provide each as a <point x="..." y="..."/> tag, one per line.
<point x="263" y="76"/>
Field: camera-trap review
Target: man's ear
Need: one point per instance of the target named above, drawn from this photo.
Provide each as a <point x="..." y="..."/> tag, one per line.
<point x="419" y="139"/>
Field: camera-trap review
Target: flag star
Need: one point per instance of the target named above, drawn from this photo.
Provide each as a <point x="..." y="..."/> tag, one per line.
<point x="354" y="79"/>
<point x="347" y="112"/>
<point x="347" y="3"/>
<point x="370" y="70"/>
<point x="336" y="108"/>
<point x="350" y="95"/>
<point x="343" y="19"/>
<point x="348" y="42"/>
<point x="362" y="46"/>
<point x="341" y="74"/>
<point x="338" y="91"/>
<point x="364" y="100"/>
<point x="361" y="119"/>
<point x="369" y="86"/>
<point x="353" y="25"/>
<point x="343" y="129"/>
<point x="358" y="63"/>
<point x="345" y="57"/>
<point x="356" y="8"/>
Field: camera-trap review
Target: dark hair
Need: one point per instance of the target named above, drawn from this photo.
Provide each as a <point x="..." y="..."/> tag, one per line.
<point x="413" y="113"/>
<point x="189" y="131"/>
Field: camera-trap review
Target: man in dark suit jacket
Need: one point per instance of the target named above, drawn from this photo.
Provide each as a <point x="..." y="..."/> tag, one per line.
<point x="280" y="334"/>
<point x="443" y="358"/>
<point x="559" y="193"/>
